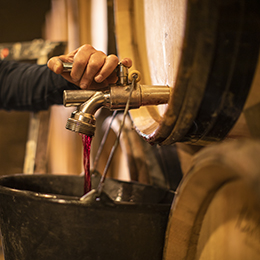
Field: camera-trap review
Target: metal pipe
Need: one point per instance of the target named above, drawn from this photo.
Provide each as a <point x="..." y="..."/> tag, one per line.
<point x="82" y="120"/>
<point x="76" y="97"/>
<point x="88" y="102"/>
<point x="143" y="95"/>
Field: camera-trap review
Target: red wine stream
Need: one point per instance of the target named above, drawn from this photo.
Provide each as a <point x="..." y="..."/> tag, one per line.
<point x="86" y="140"/>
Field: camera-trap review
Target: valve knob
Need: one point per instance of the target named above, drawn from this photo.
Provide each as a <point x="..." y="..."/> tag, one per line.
<point x="134" y="72"/>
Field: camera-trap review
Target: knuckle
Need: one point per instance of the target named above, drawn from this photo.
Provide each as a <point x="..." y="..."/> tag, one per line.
<point x="81" y="62"/>
<point x="94" y="64"/>
<point x="113" y="58"/>
<point x="87" y="47"/>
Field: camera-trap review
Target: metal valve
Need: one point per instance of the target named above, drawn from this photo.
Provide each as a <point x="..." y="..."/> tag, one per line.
<point x="115" y="98"/>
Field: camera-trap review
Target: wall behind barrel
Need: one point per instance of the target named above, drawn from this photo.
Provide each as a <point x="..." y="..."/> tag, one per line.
<point x="78" y="22"/>
<point x="75" y="21"/>
<point x="19" y="21"/>
<point x="64" y="147"/>
<point x="22" y="20"/>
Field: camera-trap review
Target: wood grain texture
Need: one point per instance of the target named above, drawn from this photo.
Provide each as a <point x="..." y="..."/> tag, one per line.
<point x="145" y="33"/>
<point x="215" y="214"/>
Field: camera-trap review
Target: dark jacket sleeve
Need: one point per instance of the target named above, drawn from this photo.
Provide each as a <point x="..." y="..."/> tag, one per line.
<point x="30" y="87"/>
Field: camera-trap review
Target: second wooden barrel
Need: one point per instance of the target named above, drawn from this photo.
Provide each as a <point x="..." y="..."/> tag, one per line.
<point x="216" y="211"/>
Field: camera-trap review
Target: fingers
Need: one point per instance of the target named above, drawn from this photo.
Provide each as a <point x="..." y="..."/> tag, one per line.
<point x="82" y="60"/>
<point x="127" y="62"/>
<point x="91" y="68"/>
<point x="107" y="68"/>
<point x="55" y="64"/>
<point x="95" y="63"/>
<point x="90" y="64"/>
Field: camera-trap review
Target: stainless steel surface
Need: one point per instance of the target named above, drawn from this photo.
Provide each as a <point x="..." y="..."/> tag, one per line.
<point x="82" y="120"/>
<point x="81" y="123"/>
<point x="122" y="74"/>
<point x="67" y="66"/>
<point x="76" y="97"/>
<point x="143" y="95"/>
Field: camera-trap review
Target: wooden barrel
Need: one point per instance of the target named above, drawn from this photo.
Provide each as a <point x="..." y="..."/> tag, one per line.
<point x="207" y="51"/>
<point x="216" y="211"/>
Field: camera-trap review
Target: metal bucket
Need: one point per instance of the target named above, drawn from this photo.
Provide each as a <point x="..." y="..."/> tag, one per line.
<point x="41" y="217"/>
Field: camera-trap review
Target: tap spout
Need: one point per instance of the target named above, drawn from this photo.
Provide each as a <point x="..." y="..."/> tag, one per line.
<point x="82" y="120"/>
<point x="98" y="100"/>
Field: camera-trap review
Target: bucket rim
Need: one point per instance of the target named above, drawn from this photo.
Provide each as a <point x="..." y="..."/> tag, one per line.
<point x="72" y="199"/>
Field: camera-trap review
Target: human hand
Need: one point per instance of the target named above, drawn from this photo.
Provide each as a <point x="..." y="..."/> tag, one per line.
<point x="91" y="69"/>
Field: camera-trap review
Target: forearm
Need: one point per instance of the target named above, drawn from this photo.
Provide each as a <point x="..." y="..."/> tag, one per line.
<point x="30" y="87"/>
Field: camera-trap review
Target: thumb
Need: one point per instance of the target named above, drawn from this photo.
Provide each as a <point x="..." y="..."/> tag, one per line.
<point x="55" y="64"/>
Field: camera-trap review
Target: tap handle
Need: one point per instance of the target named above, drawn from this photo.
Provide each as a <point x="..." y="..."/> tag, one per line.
<point x="67" y="66"/>
<point x="121" y="71"/>
<point x="122" y="74"/>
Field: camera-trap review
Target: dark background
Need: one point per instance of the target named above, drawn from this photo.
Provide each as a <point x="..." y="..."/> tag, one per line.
<point x="19" y="21"/>
<point x="22" y="20"/>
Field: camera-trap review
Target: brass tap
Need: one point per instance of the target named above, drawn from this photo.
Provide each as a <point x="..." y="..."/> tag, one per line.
<point x="88" y="102"/>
